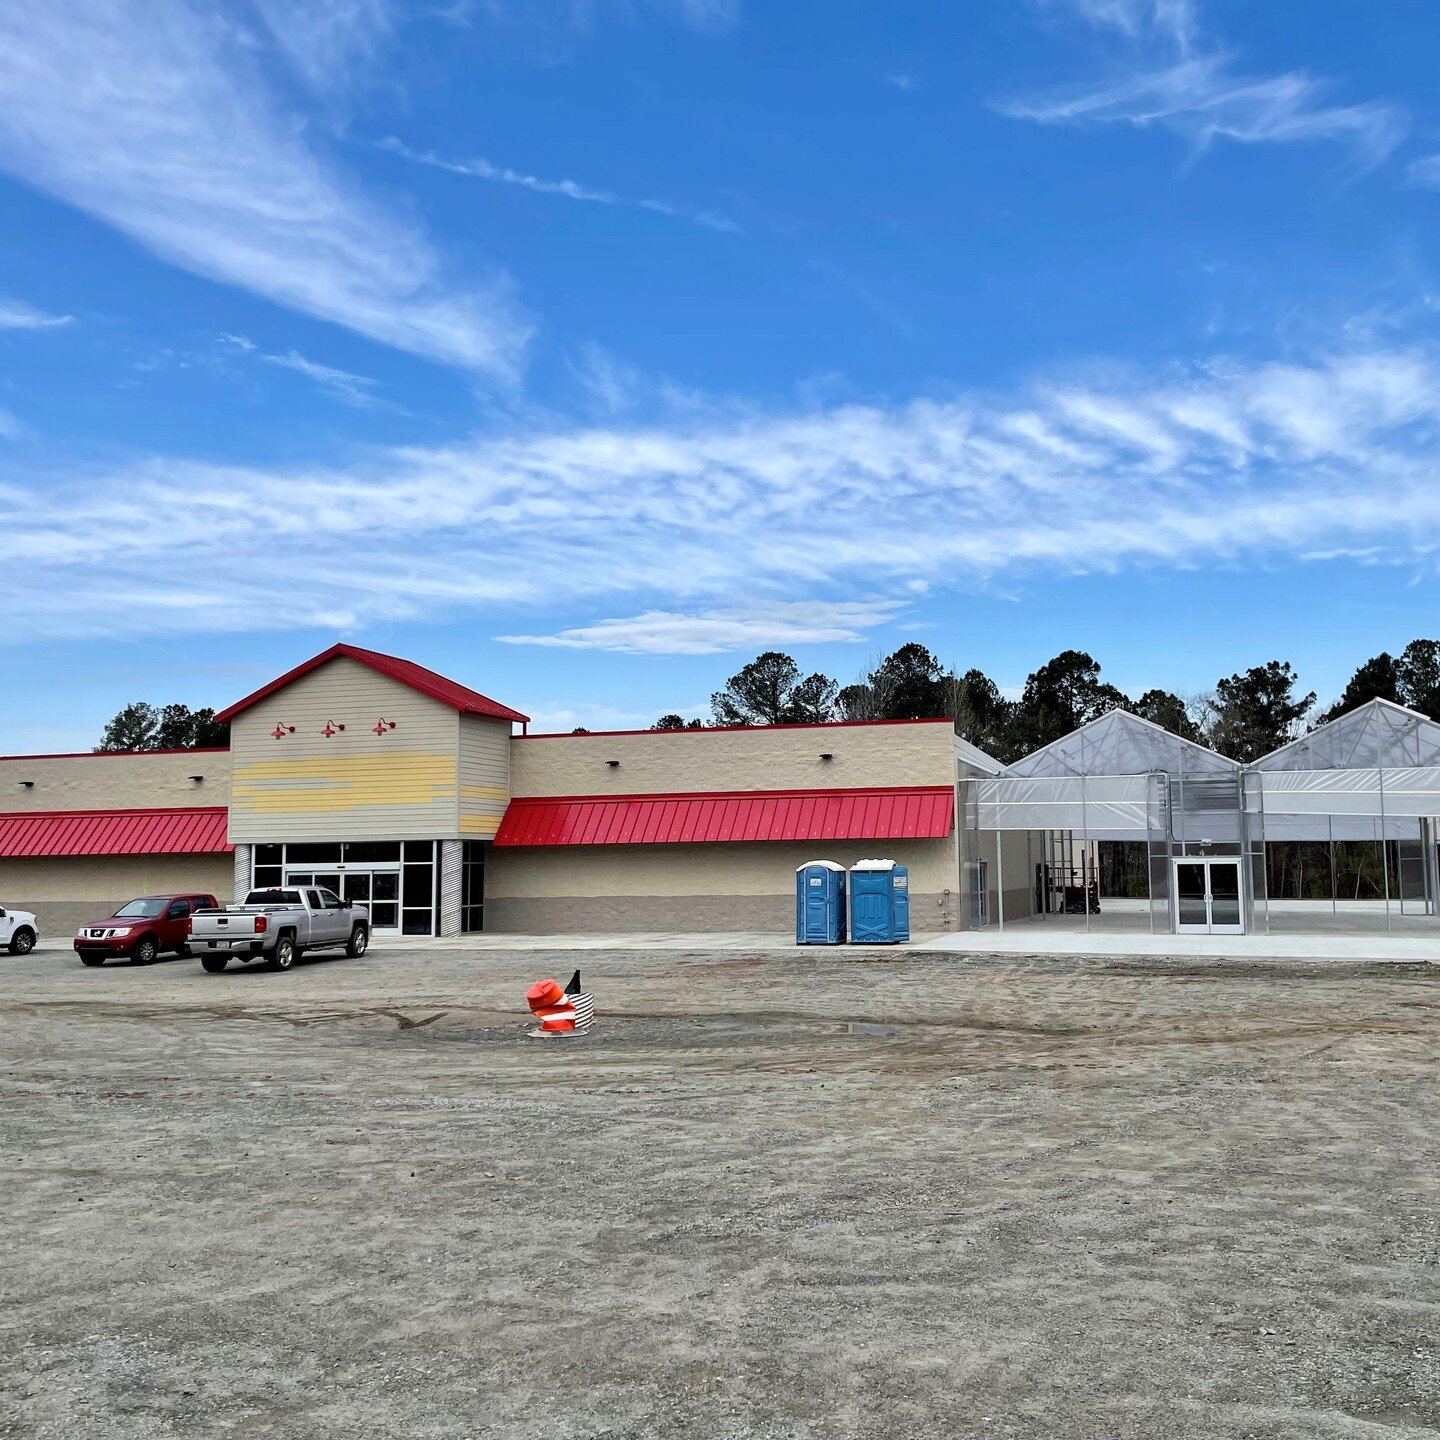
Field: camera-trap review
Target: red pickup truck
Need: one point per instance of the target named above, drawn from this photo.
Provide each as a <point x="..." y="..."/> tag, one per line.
<point x="141" y="929"/>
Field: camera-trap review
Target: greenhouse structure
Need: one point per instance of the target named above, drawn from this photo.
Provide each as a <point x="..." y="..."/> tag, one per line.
<point x="1123" y="825"/>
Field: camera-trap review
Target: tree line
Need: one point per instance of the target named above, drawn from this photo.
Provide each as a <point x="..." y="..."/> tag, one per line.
<point x="1244" y="716"/>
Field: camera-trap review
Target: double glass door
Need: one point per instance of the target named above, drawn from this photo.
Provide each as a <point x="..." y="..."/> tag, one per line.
<point x="1207" y="897"/>
<point x="379" y="889"/>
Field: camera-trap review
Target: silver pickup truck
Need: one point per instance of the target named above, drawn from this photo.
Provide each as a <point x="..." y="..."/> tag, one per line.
<point x="278" y="926"/>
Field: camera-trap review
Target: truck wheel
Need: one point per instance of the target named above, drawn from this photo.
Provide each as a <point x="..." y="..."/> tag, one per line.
<point x="284" y="956"/>
<point x="146" y="950"/>
<point x="358" y="942"/>
<point x="214" y="963"/>
<point x="92" y="959"/>
<point x="22" y="942"/>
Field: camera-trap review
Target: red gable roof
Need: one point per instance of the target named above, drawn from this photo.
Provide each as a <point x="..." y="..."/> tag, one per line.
<point x="407" y="672"/>
<point x="195" y="830"/>
<point x="913" y="813"/>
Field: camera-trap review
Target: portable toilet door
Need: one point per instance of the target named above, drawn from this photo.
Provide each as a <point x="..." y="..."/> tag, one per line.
<point x="820" y="903"/>
<point x="879" y="903"/>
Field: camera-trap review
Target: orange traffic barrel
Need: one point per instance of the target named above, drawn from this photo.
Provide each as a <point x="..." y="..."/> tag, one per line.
<point x="545" y="995"/>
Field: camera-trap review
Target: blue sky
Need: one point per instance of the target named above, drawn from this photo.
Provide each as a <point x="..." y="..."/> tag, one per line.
<point x="581" y="349"/>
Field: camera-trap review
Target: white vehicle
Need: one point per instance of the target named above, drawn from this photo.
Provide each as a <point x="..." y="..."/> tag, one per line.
<point x="17" y="931"/>
<point x="277" y="925"/>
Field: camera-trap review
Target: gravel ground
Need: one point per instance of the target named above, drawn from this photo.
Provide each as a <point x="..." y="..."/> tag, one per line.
<point x="794" y="1196"/>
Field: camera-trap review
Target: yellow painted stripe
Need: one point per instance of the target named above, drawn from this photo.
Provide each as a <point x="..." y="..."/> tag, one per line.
<point x="316" y="785"/>
<point x="479" y="824"/>
<point x="484" y="792"/>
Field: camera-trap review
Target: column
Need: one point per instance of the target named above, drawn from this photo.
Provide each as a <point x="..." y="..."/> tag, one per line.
<point x="451" y="857"/>
<point x="243" y="872"/>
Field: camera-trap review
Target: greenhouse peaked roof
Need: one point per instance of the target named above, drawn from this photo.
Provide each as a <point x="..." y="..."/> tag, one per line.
<point x="1120" y="743"/>
<point x="1378" y="733"/>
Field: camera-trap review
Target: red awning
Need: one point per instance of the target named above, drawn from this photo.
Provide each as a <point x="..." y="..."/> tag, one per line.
<point x="47" y="833"/>
<point x="923" y="812"/>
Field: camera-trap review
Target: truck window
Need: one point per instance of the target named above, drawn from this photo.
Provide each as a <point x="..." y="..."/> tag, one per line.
<point x="316" y="903"/>
<point x="331" y="900"/>
<point x="178" y="910"/>
<point x="273" y="897"/>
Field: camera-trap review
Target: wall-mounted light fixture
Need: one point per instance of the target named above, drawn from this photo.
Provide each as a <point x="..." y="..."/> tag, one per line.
<point x="613" y="764"/>
<point x="381" y="725"/>
<point x="27" y="784"/>
<point x="331" y="728"/>
<point x="826" y="755"/>
<point x="281" y="731"/>
<point x="196" y="779"/>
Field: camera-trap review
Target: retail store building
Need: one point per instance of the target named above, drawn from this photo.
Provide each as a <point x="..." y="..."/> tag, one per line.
<point x="388" y="783"/>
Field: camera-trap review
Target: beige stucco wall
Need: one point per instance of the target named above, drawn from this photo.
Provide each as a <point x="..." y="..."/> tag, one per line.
<point x="692" y="887"/>
<point x="65" y="893"/>
<point x="766" y="758"/>
<point x="114" y="781"/>
<point x="357" y="785"/>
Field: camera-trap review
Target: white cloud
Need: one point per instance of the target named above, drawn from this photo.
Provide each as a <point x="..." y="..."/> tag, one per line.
<point x="355" y="388"/>
<point x="899" y="80"/>
<point x="1425" y="172"/>
<point x="1202" y="100"/>
<point x="710" y="632"/>
<point x="10" y="427"/>
<point x="1169" y="84"/>
<point x="482" y="169"/>
<point x="155" y="117"/>
<point x="329" y="43"/>
<point x="16" y="315"/>
<point x="1173" y="20"/>
<point x="705" y="530"/>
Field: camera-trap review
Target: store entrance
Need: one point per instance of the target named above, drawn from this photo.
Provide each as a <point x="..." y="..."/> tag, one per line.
<point x="378" y="887"/>
<point x="1207" y="897"/>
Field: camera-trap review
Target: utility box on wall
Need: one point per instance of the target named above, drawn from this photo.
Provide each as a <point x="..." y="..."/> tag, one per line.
<point x="879" y="903"/>
<point x="820" y="903"/>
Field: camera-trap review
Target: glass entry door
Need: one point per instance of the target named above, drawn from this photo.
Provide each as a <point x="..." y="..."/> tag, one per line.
<point x="379" y="889"/>
<point x="1207" y="897"/>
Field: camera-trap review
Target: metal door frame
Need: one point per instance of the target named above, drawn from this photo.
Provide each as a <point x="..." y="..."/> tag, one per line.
<point x="372" y="869"/>
<point x="1208" y="861"/>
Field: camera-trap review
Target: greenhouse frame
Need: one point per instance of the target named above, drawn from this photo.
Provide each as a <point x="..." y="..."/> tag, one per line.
<point x="1130" y="826"/>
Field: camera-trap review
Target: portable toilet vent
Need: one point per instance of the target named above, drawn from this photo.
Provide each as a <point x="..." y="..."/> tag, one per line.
<point x="820" y="903"/>
<point x="879" y="903"/>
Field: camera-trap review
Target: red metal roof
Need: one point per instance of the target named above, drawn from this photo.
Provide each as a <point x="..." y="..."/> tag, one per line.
<point x="407" y="672"/>
<point x="922" y="812"/>
<point x="53" y="833"/>
<point x="732" y="729"/>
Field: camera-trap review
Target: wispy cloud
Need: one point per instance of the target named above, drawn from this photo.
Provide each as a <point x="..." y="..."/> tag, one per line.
<point x="174" y="138"/>
<point x="1173" y="20"/>
<point x="1167" y="83"/>
<point x="482" y="169"/>
<point x="703" y="530"/>
<point x="1425" y="172"/>
<point x="16" y="315"/>
<point x="899" y="81"/>
<point x="358" y="390"/>
<point x="709" y="632"/>
<point x="329" y="43"/>
<point x="10" y="427"/>
<point x="1202" y="100"/>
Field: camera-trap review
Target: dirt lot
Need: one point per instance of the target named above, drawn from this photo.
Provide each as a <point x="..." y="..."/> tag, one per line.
<point x="768" y="1196"/>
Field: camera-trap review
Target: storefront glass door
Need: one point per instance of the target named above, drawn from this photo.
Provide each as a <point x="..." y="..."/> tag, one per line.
<point x="379" y="889"/>
<point x="1207" y="897"/>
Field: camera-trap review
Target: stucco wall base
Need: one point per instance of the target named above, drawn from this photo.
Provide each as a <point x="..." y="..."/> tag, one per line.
<point x="64" y="894"/>
<point x="677" y="914"/>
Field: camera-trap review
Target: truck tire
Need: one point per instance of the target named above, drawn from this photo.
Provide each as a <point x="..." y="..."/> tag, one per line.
<point x="145" y="951"/>
<point x="214" y="964"/>
<point x="284" y="956"/>
<point x="22" y="942"/>
<point x="358" y="942"/>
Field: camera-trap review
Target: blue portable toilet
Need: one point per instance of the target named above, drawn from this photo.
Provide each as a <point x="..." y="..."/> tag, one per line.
<point x="820" y="903"/>
<point x="879" y="903"/>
